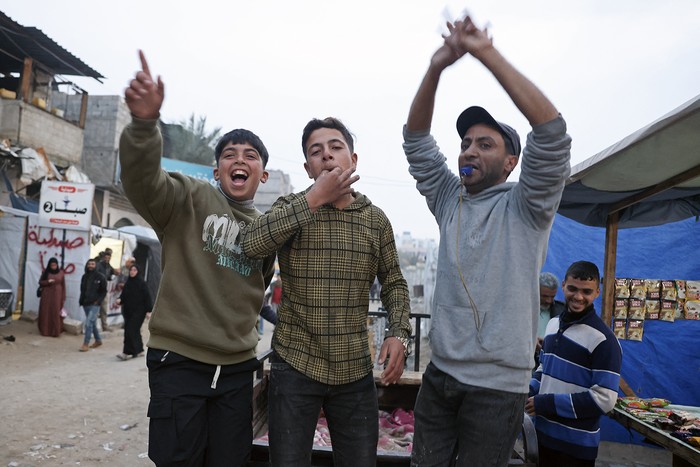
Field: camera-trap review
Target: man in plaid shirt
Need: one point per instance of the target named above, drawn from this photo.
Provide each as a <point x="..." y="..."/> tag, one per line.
<point x="331" y="243"/>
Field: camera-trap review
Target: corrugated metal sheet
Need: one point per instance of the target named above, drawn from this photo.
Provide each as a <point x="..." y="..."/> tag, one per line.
<point x="18" y="42"/>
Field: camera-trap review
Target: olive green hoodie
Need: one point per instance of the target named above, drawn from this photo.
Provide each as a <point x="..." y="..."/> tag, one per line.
<point x="210" y="292"/>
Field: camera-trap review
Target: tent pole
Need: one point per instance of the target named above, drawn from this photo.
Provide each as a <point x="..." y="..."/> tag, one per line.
<point x="611" y="229"/>
<point x="609" y="267"/>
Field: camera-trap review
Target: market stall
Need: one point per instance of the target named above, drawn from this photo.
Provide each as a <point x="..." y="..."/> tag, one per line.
<point x="632" y="209"/>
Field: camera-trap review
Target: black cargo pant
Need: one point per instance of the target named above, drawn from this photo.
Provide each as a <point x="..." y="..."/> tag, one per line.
<point x="200" y="414"/>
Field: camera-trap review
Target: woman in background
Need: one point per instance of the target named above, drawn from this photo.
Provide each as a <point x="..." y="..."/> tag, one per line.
<point x="53" y="297"/>
<point x="136" y="302"/>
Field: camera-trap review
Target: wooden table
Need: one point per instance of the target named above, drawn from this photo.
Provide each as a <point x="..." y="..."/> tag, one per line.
<point x="684" y="454"/>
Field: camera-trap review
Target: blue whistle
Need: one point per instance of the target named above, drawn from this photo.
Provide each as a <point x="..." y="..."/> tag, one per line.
<point x="466" y="170"/>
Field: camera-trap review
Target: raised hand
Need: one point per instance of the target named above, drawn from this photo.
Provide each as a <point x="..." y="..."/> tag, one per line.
<point x="144" y="96"/>
<point x="465" y="37"/>
<point x="444" y="56"/>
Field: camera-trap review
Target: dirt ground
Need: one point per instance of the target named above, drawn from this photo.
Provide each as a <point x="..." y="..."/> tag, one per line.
<point x="59" y="406"/>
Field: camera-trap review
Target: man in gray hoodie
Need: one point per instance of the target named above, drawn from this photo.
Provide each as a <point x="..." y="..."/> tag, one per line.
<point x="493" y="243"/>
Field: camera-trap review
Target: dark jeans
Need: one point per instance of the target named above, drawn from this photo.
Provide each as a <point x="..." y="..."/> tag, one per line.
<point x="552" y="458"/>
<point x="462" y="425"/>
<point x="193" y="424"/>
<point x="294" y="404"/>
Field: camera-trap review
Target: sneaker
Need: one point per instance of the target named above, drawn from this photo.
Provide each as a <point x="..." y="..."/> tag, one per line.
<point x="84" y="348"/>
<point x="96" y="344"/>
<point x="123" y="357"/>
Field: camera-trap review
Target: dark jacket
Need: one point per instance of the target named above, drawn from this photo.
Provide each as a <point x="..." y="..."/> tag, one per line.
<point x="135" y="297"/>
<point x="104" y="268"/>
<point x="556" y="309"/>
<point x="93" y="288"/>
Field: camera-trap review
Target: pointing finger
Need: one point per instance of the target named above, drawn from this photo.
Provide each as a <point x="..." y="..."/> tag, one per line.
<point x="144" y="63"/>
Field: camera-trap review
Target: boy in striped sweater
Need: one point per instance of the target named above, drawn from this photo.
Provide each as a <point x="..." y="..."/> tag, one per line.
<point x="579" y="373"/>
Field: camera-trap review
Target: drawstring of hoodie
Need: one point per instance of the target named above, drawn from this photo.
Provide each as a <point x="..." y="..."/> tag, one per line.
<point x="477" y="318"/>
<point x="216" y="376"/>
<point x="216" y="373"/>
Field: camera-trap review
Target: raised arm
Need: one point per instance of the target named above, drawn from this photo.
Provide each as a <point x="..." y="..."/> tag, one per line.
<point x="465" y="37"/>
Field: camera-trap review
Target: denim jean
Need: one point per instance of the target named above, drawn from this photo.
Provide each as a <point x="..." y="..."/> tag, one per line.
<point x="462" y="425"/>
<point x="294" y="404"/>
<point x="91" y="312"/>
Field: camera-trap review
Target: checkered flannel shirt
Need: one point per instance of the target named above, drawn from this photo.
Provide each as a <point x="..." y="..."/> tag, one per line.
<point x="328" y="261"/>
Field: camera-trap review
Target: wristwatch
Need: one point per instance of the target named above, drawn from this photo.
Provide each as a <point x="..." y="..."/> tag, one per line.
<point x="407" y="347"/>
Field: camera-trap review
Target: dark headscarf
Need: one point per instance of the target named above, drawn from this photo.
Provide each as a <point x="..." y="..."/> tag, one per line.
<point x="137" y="277"/>
<point x="48" y="269"/>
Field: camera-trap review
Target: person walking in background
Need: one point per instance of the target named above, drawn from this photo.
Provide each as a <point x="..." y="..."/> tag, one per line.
<point x="53" y="297"/>
<point x="125" y="271"/>
<point x="106" y="269"/>
<point x="549" y="308"/>
<point x="493" y="236"/>
<point x="93" y="288"/>
<point x="201" y="349"/>
<point x="136" y="303"/>
<point x="578" y="377"/>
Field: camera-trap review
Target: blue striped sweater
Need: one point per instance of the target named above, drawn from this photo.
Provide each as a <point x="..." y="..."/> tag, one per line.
<point x="576" y="383"/>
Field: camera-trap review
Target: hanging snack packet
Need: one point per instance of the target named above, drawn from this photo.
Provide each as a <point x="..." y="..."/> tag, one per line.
<point x="668" y="311"/>
<point x="668" y="291"/>
<point x="620" y="328"/>
<point x="692" y="309"/>
<point x="622" y="288"/>
<point x="651" y="309"/>
<point x="620" y="308"/>
<point x="636" y="309"/>
<point x="638" y="289"/>
<point x="653" y="287"/>
<point x="692" y="290"/>
<point x="635" y="329"/>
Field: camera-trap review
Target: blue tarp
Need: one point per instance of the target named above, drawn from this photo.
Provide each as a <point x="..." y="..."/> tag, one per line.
<point x="666" y="363"/>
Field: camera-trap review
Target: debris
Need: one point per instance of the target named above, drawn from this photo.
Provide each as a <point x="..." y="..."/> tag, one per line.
<point x="128" y="427"/>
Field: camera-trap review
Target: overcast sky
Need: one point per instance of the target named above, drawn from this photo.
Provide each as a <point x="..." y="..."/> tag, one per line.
<point x="610" y="67"/>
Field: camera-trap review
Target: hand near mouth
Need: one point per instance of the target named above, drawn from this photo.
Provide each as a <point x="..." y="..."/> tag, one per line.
<point x="332" y="187"/>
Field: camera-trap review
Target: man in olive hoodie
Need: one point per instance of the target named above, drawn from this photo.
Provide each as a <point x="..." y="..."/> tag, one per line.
<point x="203" y="327"/>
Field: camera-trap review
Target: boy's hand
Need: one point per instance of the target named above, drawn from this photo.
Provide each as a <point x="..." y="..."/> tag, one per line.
<point x="530" y="407"/>
<point x="144" y="97"/>
<point x="393" y="350"/>
<point x="330" y="186"/>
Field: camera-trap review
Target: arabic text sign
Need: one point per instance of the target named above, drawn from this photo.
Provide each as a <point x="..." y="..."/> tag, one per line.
<point x="66" y="205"/>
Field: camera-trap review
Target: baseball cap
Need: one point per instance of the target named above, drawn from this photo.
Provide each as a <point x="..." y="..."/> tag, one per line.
<point x="475" y="114"/>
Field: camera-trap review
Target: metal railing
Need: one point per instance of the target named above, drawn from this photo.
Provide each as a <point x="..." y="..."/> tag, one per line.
<point x="416" y="337"/>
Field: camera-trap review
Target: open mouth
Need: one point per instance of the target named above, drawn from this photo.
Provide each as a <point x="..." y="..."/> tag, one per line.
<point x="239" y="177"/>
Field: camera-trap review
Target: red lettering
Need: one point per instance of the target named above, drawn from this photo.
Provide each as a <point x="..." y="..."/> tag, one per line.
<point x="52" y="241"/>
<point x="66" y="189"/>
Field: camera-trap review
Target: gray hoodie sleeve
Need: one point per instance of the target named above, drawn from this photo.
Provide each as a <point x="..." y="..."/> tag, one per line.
<point x="428" y="167"/>
<point x="545" y="166"/>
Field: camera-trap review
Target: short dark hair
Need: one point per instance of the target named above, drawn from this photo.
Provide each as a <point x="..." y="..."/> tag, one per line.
<point x="328" y="122"/>
<point x="583" y="270"/>
<point x="241" y="136"/>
